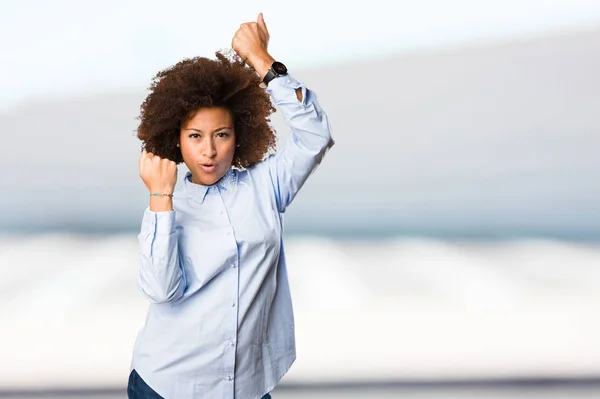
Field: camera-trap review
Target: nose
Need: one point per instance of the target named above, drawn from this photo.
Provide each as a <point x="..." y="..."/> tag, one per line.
<point x="209" y="149"/>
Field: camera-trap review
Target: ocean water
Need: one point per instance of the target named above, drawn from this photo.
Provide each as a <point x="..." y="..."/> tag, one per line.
<point x="391" y="309"/>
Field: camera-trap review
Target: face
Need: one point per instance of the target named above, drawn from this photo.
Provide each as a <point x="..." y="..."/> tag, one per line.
<point x="207" y="144"/>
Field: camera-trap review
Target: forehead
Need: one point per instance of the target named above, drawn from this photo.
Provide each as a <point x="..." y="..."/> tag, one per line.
<point x="210" y="117"/>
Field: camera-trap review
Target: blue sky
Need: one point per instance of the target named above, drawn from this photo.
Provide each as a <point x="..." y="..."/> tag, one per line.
<point x="67" y="47"/>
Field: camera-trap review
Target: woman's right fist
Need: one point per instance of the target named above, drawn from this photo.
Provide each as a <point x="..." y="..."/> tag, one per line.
<point x="158" y="174"/>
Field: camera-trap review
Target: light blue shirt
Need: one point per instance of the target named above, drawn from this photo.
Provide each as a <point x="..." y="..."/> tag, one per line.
<point x="220" y="324"/>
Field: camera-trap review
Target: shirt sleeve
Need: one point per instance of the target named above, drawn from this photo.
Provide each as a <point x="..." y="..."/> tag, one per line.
<point x="310" y="138"/>
<point x="160" y="277"/>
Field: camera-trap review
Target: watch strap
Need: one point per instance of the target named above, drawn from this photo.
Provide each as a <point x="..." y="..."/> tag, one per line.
<point x="276" y="69"/>
<point x="269" y="76"/>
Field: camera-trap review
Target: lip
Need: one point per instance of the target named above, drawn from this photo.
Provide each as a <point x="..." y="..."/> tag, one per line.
<point x="208" y="168"/>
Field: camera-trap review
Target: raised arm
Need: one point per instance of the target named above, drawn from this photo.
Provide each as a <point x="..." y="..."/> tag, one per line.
<point x="160" y="277"/>
<point x="310" y="130"/>
<point x="309" y="140"/>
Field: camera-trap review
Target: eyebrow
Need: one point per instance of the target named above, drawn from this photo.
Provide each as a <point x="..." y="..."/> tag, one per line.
<point x="214" y="131"/>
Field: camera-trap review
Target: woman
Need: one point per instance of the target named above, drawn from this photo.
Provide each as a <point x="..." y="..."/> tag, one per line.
<point x="220" y="323"/>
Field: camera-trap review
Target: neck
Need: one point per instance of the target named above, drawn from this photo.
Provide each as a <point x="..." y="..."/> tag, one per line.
<point x="196" y="181"/>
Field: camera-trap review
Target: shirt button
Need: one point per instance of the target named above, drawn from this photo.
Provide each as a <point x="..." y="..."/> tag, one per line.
<point x="233" y="265"/>
<point x="233" y="305"/>
<point x="229" y="378"/>
<point x="289" y="81"/>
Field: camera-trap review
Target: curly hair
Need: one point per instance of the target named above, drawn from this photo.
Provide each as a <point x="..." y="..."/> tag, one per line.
<point x="176" y="93"/>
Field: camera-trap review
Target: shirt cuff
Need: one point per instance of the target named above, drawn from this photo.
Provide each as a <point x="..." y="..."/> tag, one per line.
<point x="283" y="90"/>
<point x="160" y="223"/>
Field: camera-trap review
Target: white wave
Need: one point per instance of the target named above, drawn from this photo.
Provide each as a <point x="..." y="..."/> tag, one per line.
<point x="398" y="308"/>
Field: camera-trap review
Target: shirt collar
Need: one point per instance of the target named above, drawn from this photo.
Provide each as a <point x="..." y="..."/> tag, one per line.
<point x="199" y="191"/>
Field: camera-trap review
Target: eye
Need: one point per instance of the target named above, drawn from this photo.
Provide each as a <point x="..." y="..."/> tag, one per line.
<point x="194" y="136"/>
<point x="222" y="134"/>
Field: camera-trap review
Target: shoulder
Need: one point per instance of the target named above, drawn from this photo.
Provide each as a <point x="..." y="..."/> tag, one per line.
<point x="257" y="169"/>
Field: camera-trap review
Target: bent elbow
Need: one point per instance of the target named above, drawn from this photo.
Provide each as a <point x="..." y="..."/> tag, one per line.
<point x="164" y="296"/>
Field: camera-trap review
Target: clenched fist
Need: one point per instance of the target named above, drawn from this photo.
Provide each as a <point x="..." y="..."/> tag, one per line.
<point x="250" y="42"/>
<point x="158" y="174"/>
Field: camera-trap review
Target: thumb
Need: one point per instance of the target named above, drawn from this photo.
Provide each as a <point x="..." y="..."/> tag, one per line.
<point x="261" y="23"/>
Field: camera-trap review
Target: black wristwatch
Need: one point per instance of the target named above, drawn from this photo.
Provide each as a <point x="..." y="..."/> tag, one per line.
<point x="277" y="69"/>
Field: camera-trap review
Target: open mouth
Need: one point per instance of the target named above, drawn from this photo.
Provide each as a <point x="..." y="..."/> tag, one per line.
<point x="208" y="167"/>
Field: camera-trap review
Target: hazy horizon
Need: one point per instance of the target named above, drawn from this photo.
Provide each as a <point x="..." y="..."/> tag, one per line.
<point x="488" y="141"/>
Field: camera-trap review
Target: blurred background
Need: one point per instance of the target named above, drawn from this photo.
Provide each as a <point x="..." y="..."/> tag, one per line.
<point x="447" y="247"/>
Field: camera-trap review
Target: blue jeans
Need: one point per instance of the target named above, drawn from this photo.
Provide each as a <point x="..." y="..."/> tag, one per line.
<point x="138" y="389"/>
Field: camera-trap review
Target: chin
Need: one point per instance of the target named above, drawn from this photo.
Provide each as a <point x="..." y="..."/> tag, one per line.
<point x="208" y="179"/>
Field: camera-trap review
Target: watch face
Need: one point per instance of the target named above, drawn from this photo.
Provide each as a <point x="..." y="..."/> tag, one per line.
<point x="279" y="68"/>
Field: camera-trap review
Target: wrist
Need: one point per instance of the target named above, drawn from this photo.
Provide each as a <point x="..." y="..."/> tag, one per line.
<point x="261" y="64"/>
<point x="162" y="190"/>
<point x="161" y="204"/>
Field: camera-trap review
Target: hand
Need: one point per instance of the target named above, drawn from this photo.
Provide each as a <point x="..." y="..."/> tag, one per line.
<point x="250" y="42"/>
<point x="158" y="174"/>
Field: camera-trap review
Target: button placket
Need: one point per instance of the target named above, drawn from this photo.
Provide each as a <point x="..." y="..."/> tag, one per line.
<point x="230" y="342"/>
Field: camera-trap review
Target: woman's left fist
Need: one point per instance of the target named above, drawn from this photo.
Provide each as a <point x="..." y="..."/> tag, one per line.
<point x="250" y="42"/>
